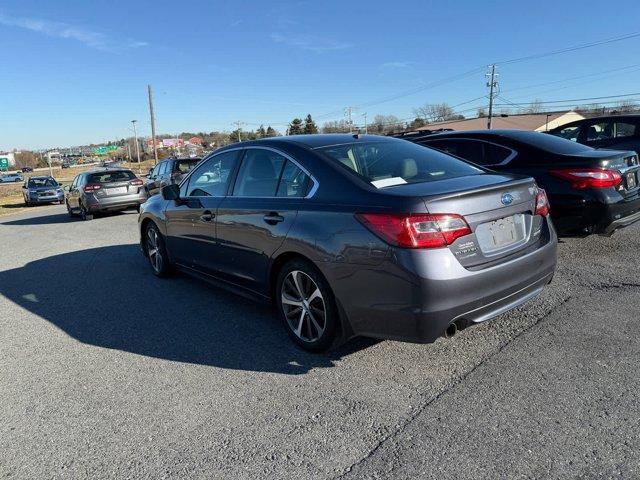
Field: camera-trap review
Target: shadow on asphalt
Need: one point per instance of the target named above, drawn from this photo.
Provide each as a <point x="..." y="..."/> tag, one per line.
<point x="59" y="218"/>
<point x="109" y="298"/>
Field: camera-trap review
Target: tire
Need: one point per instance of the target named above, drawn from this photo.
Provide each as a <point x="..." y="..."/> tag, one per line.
<point x="312" y="325"/>
<point x="84" y="214"/>
<point x="69" y="211"/>
<point x="156" y="251"/>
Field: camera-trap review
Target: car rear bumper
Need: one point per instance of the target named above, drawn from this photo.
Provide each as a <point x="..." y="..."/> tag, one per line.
<point x="121" y="202"/>
<point x="416" y="294"/>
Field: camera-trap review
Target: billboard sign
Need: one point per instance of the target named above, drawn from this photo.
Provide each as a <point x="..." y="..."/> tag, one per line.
<point x="4" y="163"/>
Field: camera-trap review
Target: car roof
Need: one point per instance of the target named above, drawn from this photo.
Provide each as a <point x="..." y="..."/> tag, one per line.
<point x="40" y="177"/>
<point x="103" y="170"/>
<point x="314" y="141"/>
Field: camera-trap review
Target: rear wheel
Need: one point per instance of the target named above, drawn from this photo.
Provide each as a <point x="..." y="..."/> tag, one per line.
<point x="84" y="213"/>
<point x="156" y="251"/>
<point x="307" y="306"/>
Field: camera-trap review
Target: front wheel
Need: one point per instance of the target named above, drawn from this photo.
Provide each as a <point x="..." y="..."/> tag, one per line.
<point x="156" y="251"/>
<point x="307" y="306"/>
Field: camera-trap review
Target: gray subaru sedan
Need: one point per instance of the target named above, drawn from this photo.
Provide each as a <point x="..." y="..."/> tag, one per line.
<point x="356" y="235"/>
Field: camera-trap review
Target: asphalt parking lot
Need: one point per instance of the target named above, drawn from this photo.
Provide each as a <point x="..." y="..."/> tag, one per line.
<point x="107" y="371"/>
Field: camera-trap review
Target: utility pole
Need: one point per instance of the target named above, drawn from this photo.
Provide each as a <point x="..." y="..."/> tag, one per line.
<point x="492" y="84"/>
<point x="347" y="113"/>
<point x="135" y="137"/>
<point x="238" y="125"/>
<point x="365" y="123"/>
<point x="50" y="169"/>
<point x="153" y="125"/>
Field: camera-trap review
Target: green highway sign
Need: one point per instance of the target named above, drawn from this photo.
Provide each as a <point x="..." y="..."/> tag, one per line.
<point x="104" y="150"/>
<point x="4" y="163"/>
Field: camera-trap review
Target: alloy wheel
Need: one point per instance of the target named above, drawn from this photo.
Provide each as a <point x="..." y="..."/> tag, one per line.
<point x="153" y="250"/>
<point x="303" y="306"/>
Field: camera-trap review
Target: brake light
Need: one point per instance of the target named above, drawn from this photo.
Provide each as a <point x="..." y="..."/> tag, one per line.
<point x="91" y="187"/>
<point x="542" y="203"/>
<point x="136" y="182"/>
<point x="416" y="230"/>
<point x="582" y="178"/>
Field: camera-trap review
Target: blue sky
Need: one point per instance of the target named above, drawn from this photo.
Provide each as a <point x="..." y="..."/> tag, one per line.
<point x="75" y="72"/>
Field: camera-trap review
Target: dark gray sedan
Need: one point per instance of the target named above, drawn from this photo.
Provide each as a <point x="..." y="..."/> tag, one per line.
<point x="356" y="235"/>
<point x="102" y="191"/>
<point x="39" y="190"/>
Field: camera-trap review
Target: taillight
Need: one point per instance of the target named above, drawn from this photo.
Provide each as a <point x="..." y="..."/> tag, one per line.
<point x="136" y="182"/>
<point x="542" y="203"/>
<point x="416" y="230"/>
<point x="91" y="187"/>
<point x="582" y="178"/>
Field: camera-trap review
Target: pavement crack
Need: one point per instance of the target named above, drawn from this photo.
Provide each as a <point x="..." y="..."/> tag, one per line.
<point x="418" y="411"/>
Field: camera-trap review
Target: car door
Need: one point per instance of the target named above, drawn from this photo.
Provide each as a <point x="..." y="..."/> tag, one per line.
<point x="73" y="194"/>
<point x="190" y="220"/>
<point x="164" y="175"/>
<point x="253" y="221"/>
<point x="156" y="178"/>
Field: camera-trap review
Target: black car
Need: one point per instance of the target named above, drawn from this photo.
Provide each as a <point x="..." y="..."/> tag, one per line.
<point x="168" y="171"/>
<point x="27" y="169"/>
<point x="616" y="132"/>
<point x="590" y="191"/>
<point x="355" y="235"/>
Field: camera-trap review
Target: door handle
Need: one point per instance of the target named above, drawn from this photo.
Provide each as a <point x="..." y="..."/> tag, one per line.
<point x="273" y="218"/>
<point x="206" y="216"/>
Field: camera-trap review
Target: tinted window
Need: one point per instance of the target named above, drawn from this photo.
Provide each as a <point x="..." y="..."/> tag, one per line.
<point x="163" y="168"/>
<point x="548" y="143"/>
<point x="570" y="133"/>
<point x="293" y="182"/>
<point x="112" y="176"/>
<point x="259" y="173"/>
<point x="623" y="129"/>
<point x="397" y="162"/>
<point x="156" y="170"/>
<point x="609" y="129"/>
<point x="42" y="182"/>
<point x="211" y="178"/>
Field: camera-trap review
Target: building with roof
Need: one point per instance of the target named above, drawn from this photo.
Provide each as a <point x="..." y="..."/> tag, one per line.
<point x="539" y="122"/>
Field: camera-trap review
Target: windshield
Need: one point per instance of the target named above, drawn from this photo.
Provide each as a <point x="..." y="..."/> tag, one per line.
<point x="112" y="176"/>
<point x="549" y="143"/>
<point x="42" y="182"/>
<point x="385" y="164"/>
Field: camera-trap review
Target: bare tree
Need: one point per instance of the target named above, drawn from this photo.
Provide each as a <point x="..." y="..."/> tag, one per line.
<point x="626" y="106"/>
<point x="534" y="107"/>
<point x="438" y="112"/>
<point x="335" y="126"/>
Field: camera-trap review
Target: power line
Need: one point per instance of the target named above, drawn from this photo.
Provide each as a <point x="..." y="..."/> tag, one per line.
<point x="575" y="99"/>
<point x="605" y="41"/>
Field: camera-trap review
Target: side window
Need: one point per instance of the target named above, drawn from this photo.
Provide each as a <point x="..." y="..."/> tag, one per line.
<point x="163" y="168"/>
<point x="294" y="183"/>
<point x="259" y="173"/>
<point x="470" y="150"/>
<point x="623" y="129"/>
<point x="495" y="154"/>
<point x="155" y="171"/>
<point x="570" y="133"/>
<point x="211" y="178"/>
<point x="74" y="184"/>
<point x="599" y="131"/>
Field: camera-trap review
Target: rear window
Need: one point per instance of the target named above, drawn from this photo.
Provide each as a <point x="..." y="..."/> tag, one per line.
<point x="111" y="176"/>
<point x="385" y="164"/>
<point x="42" y="182"/>
<point x="549" y="143"/>
<point x="185" y="166"/>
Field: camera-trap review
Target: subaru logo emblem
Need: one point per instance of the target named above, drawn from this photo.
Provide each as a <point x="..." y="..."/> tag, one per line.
<point x="507" y="199"/>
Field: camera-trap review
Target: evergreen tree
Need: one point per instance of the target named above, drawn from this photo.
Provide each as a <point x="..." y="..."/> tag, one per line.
<point x="261" y="132"/>
<point x="309" y="125"/>
<point x="271" y="132"/>
<point x="295" y="127"/>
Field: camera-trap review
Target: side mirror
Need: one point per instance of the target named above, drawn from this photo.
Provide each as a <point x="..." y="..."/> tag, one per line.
<point x="66" y="188"/>
<point x="150" y="171"/>
<point x="171" y="192"/>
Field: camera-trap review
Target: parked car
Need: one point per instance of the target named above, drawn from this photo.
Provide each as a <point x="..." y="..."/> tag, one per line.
<point x="27" y="169"/>
<point x="66" y="164"/>
<point x="356" y="235"/>
<point x="37" y="190"/>
<point x="618" y="132"/>
<point x="104" y="191"/>
<point x="11" y="177"/>
<point x="591" y="191"/>
<point x="168" y="171"/>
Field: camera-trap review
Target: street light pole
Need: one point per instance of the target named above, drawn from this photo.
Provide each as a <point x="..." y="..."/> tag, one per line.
<point x="135" y="136"/>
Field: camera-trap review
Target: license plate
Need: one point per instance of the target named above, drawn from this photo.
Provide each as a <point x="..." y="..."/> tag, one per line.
<point x="46" y="194"/>
<point x="631" y="180"/>
<point x="503" y="232"/>
<point x="116" y="190"/>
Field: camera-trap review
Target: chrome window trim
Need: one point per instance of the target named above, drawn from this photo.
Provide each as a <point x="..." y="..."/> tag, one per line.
<point x="206" y="159"/>
<point x="510" y="157"/>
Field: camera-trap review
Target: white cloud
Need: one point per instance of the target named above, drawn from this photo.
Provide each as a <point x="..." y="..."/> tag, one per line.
<point x="311" y="43"/>
<point x="396" y="65"/>
<point x="90" y="38"/>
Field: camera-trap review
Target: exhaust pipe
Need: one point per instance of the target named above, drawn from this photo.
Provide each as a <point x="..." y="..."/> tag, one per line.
<point x="451" y="330"/>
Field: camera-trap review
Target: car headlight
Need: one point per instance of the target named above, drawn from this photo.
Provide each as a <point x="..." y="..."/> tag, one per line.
<point x="59" y="190"/>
